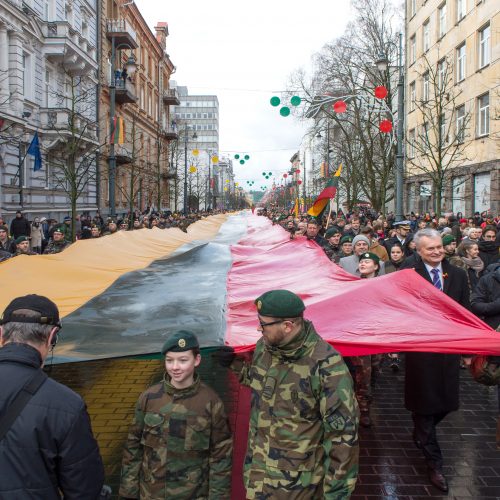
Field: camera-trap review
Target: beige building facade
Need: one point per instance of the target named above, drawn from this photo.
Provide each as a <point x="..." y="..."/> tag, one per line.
<point x="452" y="106"/>
<point x="142" y="110"/>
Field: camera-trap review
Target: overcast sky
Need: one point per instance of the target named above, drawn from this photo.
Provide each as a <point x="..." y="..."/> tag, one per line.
<point x="244" y="52"/>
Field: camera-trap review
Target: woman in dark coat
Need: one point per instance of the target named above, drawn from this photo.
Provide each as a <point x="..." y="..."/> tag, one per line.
<point x="396" y="258"/>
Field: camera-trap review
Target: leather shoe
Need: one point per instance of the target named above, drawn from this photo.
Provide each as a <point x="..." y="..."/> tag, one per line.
<point x="437" y="478"/>
<point x="365" y="419"/>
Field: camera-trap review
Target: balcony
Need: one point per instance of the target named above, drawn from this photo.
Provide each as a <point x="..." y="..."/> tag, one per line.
<point x="57" y="120"/>
<point x="63" y="45"/>
<point x="124" y="91"/>
<point x="123" y="154"/>
<point x="170" y="133"/>
<point x="170" y="97"/>
<point x="121" y="32"/>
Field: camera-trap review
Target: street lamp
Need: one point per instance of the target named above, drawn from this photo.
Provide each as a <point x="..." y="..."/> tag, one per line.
<point x="130" y="67"/>
<point x="382" y="65"/>
<point x="194" y="137"/>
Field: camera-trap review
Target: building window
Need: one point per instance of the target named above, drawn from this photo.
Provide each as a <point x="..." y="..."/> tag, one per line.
<point x="425" y="87"/>
<point x="460" y="123"/>
<point x="413" y="49"/>
<point x="483" y="115"/>
<point x="412" y="137"/>
<point x="442" y="130"/>
<point x="27" y="76"/>
<point x="442" y="20"/>
<point x="484" y="46"/>
<point x="426" y="36"/>
<point x="425" y="136"/>
<point x="441" y="74"/>
<point x="461" y="9"/>
<point x="413" y="96"/>
<point x="461" y="62"/>
<point x="413" y="7"/>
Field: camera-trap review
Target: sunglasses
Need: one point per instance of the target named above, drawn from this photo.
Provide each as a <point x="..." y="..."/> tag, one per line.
<point x="269" y="323"/>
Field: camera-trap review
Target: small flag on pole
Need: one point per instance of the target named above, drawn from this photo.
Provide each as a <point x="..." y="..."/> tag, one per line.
<point x="34" y="150"/>
<point x="326" y="195"/>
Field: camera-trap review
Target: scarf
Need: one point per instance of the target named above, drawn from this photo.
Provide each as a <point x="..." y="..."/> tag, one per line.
<point x="475" y="264"/>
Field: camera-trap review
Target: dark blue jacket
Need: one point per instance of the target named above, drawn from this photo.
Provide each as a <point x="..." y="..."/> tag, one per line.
<point x="50" y="445"/>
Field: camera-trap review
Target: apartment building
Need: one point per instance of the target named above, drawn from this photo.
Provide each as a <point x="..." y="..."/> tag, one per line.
<point x="48" y="62"/>
<point x="452" y="105"/>
<point x="140" y="127"/>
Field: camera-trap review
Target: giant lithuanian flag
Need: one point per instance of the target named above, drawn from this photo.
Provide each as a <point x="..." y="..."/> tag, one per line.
<point x="326" y="195"/>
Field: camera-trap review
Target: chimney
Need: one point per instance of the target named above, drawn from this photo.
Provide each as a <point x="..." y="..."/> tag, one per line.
<point x="161" y="30"/>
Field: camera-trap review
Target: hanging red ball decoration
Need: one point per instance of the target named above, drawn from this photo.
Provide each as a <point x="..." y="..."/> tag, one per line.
<point x="340" y="107"/>
<point x="285" y="175"/>
<point x="385" y="126"/>
<point x="299" y="182"/>
<point x="380" y="92"/>
<point x="297" y="171"/>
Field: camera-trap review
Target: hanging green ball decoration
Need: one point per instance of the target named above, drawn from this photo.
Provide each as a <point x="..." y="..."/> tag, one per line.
<point x="295" y="100"/>
<point x="275" y="101"/>
<point x="263" y="173"/>
<point x="236" y="157"/>
<point x="247" y="157"/>
<point x="242" y="162"/>
<point x="284" y="111"/>
<point x="270" y="173"/>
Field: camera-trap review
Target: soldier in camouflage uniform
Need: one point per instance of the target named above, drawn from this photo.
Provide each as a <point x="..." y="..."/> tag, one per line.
<point x="303" y="437"/>
<point x="180" y="444"/>
<point x="58" y="243"/>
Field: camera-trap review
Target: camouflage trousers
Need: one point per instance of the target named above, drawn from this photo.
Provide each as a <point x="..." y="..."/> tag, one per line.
<point x="363" y="369"/>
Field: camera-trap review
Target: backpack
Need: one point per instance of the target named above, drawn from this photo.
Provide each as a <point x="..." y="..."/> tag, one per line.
<point x="485" y="369"/>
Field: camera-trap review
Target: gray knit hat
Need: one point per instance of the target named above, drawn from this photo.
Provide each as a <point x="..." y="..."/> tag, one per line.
<point x="360" y="237"/>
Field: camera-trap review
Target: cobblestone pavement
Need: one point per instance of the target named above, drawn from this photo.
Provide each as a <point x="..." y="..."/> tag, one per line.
<point x="390" y="465"/>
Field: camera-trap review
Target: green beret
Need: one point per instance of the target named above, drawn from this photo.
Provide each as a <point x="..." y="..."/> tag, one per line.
<point x="180" y="341"/>
<point x="58" y="229"/>
<point x="280" y="304"/>
<point x="371" y="256"/>
<point x="447" y="239"/>
<point x="332" y="232"/>
<point x="20" y="239"/>
<point x="345" y="239"/>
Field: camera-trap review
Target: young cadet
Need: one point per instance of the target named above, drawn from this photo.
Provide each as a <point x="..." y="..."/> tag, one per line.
<point x="179" y="445"/>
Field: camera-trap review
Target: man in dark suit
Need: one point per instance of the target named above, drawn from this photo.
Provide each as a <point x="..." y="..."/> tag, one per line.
<point x="432" y="379"/>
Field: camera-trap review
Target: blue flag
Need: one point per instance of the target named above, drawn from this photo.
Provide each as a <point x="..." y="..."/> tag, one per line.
<point x="34" y="150"/>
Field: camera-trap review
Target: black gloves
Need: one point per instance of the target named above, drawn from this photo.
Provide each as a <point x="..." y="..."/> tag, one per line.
<point x="224" y="355"/>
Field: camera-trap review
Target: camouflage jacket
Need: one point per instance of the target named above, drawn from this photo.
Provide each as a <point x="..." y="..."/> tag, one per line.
<point x="303" y="437"/>
<point x="56" y="247"/>
<point x="179" y="445"/>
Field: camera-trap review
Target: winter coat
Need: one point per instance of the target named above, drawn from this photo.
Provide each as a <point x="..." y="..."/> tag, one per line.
<point x="49" y="451"/>
<point x="432" y="379"/>
<point x="485" y="300"/>
<point x="19" y="227"/>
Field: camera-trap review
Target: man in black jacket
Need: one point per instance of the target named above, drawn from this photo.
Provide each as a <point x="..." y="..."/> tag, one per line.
<point x="48" y="452"/>
<point x="20" y="226"/>
<point x="432" y="379"/>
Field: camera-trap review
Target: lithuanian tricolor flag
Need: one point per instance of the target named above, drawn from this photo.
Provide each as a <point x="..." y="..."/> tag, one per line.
<point x="326" y="195"/>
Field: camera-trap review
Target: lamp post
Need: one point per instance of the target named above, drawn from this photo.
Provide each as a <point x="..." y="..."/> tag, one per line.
<point x="130" y="68"/>
<point x="186" y="128"/>
<point x="382" y="65"/>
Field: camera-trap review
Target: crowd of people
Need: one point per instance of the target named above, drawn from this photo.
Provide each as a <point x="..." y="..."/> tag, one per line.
<point x="305" y="406"/>
<point x="49" y="236"/>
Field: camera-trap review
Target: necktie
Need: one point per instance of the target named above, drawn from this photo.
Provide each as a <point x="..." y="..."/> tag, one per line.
<point x="436" y="280"/>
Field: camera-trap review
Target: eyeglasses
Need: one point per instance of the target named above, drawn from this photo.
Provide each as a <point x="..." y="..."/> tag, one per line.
<point x="269" y="323"/>
<point x="262" y="324"/>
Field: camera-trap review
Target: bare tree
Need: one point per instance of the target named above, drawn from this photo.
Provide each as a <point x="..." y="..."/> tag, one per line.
<point x="73" y="154"/>
<point x="344" y="70"/>
<point x="441" y="142"/>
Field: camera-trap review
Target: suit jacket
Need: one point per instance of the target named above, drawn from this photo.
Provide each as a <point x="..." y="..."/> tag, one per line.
<point x="351" y="262"/>
<point x="432" y="379"/>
